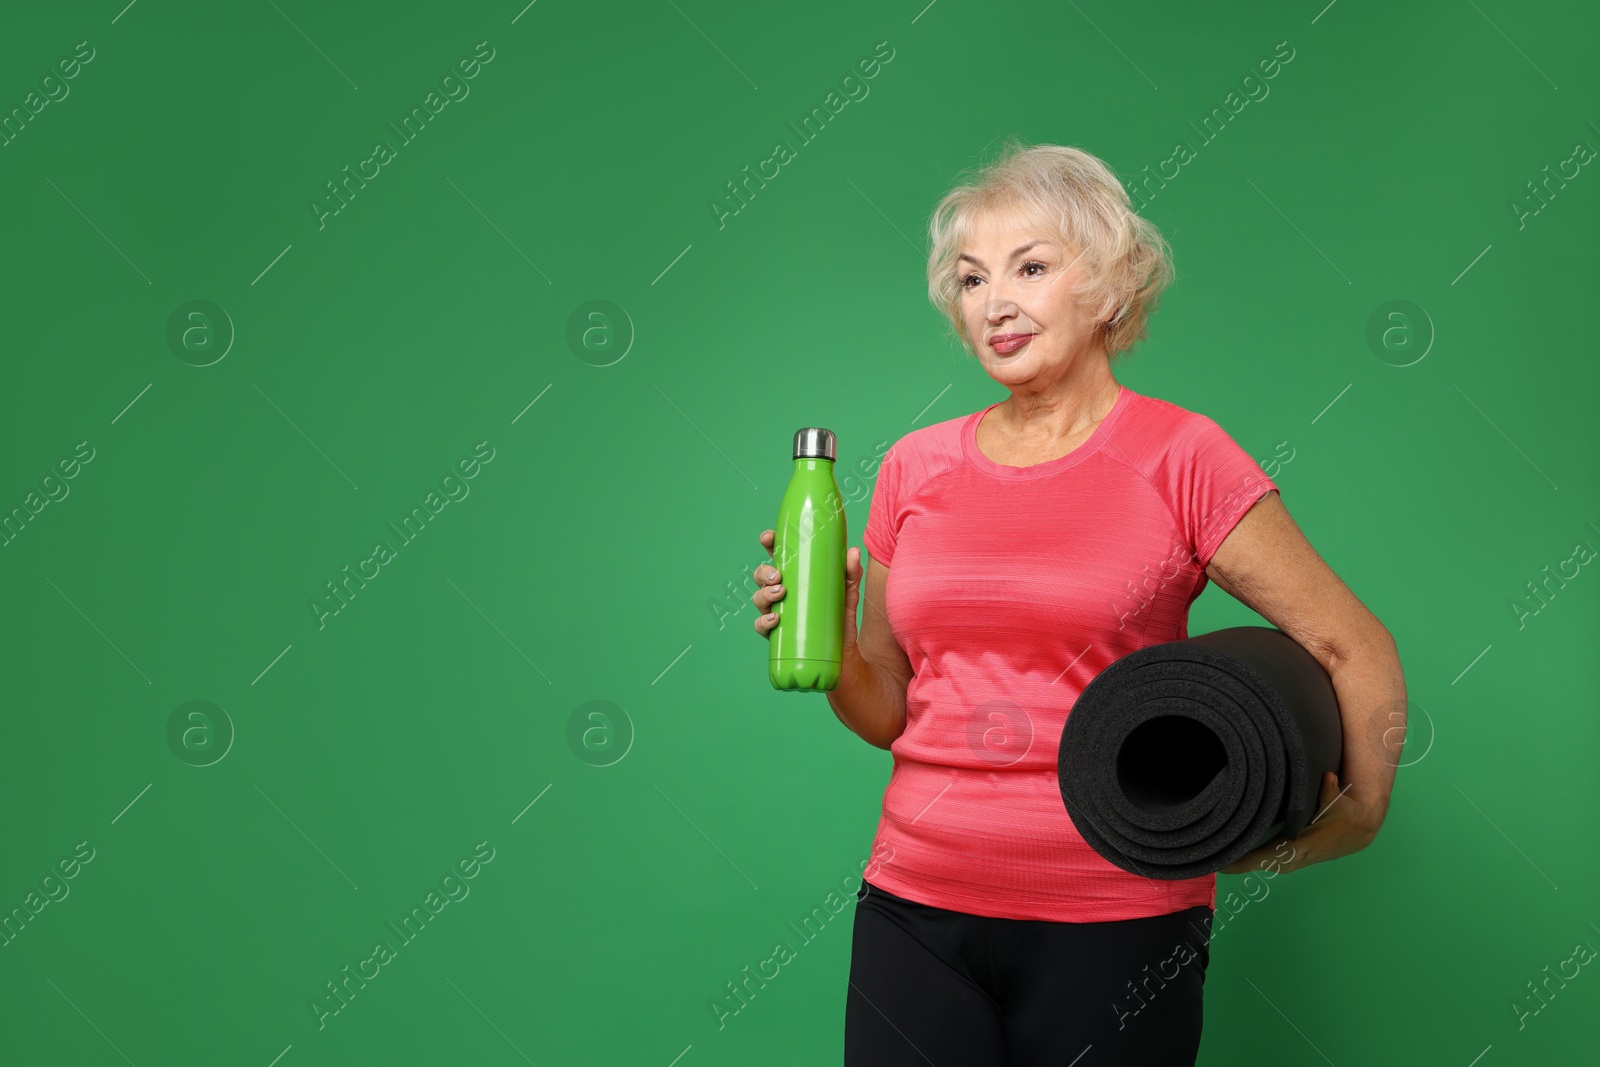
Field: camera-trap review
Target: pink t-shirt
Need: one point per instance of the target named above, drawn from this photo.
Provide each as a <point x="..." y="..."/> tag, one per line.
<point x="1009" y="589"/>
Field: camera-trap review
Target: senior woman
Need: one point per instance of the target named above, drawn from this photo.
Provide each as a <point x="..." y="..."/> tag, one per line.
<point x="1016" y="552"/>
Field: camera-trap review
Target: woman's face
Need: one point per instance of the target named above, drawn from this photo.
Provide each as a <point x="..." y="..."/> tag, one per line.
<point x="1017" y="280"/>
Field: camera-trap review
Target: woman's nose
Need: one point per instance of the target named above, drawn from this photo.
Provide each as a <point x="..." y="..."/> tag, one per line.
<point x="997" y="309"/>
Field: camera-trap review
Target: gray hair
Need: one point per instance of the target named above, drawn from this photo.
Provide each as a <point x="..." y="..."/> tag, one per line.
<point x="1126" y="262"/>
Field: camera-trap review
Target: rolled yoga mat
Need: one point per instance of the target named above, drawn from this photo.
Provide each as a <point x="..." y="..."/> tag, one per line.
<point x="1179" y="758"/>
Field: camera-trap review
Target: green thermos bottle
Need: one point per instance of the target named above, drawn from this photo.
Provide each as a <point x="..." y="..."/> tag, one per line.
<point x="808" y="548"/>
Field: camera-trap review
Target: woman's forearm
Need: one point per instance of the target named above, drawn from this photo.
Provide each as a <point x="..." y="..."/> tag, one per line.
<point x="1372" y="703"/>
<point x="869" y="700"/>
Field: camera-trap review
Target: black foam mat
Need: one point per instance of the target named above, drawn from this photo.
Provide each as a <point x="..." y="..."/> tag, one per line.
<point x="1180" y="758"/>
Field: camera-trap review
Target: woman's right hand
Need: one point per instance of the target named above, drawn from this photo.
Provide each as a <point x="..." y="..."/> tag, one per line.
<point x="771" y="589"/>
<point x="767" y="577"/>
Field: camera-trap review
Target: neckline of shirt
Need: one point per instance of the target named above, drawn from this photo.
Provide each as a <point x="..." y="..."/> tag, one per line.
<point x="1095" y="441"/>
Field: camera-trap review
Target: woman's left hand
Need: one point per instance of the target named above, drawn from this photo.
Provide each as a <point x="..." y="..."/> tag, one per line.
<point x="1343" y="827"/>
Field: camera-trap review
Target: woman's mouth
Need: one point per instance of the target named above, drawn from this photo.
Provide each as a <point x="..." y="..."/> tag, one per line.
<point x="1005" y="343"/>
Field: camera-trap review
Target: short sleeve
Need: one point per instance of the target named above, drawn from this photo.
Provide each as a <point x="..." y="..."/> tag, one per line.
<point x="1212" y="483"/>
<point x="883" y="516"/>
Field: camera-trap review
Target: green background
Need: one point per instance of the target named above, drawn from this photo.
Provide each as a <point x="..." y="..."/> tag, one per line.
<point x="604" y="553"/>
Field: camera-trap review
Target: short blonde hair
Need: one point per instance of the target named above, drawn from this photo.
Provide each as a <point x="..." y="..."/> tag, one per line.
<point x="1125" y="259"/>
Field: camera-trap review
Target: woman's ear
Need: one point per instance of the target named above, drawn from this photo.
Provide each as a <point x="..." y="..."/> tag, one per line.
<point x="1111" y="311"/>
<point x="1107" y="307"/>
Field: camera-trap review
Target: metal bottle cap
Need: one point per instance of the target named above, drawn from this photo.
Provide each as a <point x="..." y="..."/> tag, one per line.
<point x="814" y="442"/>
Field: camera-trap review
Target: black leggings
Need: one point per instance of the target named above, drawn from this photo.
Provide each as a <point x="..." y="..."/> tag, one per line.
<point x="943" y="988"/>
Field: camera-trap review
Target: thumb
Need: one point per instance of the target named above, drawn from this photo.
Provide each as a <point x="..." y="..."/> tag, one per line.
<point x="852" y="591"/>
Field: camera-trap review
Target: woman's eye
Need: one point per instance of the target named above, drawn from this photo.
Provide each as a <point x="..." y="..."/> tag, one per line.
<point x="966" y="281"/>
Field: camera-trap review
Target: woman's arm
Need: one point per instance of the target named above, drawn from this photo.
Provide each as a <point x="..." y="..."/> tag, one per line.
<point x="873" y="676"/>
<point x="1267" y="564"/>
